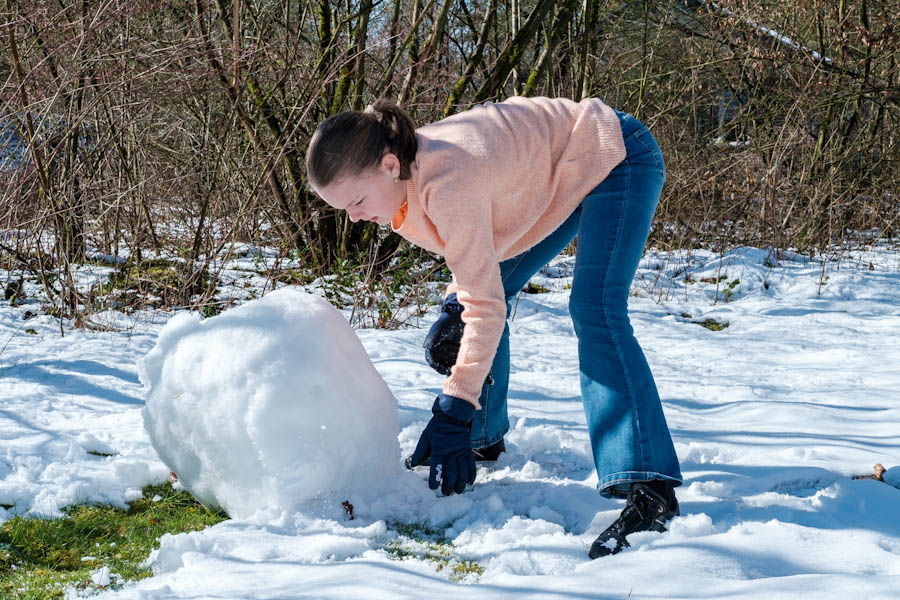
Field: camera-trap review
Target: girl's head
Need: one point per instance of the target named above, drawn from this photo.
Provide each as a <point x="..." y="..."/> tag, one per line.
<point x="358" y="161"/>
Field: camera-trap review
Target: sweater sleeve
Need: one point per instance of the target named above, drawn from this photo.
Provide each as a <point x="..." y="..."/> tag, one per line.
<point x="490" y="183"/>
<point x="472" y="258"/>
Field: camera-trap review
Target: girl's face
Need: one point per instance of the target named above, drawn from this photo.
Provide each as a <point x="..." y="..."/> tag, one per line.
<point x="371" y="196"/>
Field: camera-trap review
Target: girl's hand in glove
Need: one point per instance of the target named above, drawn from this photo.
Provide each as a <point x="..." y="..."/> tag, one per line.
<point x="446" y="441"/>
<point x="442" y="342"/>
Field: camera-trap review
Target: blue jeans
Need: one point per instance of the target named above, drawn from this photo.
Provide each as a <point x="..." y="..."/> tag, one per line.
<point x="629" y="436"/>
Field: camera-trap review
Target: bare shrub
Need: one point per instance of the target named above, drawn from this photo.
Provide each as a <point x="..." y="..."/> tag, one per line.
<point x="177" y="129"/>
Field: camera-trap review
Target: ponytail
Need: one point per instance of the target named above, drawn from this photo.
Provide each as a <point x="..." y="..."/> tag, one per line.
<point x="352" y="142"/>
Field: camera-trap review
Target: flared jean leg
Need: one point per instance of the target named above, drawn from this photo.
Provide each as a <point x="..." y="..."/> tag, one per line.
<point x="629" y="436"/>
<point x="491" y="423"/>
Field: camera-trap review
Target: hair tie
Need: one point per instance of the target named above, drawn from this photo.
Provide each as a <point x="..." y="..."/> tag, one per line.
<point x="375" y="113"/>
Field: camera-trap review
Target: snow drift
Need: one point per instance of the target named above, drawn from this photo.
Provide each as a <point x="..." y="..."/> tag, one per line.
<point x="268" y="405"/>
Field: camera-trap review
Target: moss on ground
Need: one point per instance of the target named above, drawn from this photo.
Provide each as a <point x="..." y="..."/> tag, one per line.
<point x="712" y="324"/>
<point x="534" y="288"/>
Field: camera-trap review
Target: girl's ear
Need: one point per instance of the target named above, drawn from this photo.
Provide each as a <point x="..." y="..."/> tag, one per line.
<point x="391" y="163"/>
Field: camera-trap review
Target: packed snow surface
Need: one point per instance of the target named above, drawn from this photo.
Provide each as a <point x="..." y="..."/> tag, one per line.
<point x="268" y="405"/>
<point x="771" y="417"/>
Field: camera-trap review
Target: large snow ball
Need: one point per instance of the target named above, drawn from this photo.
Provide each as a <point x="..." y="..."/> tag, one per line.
<point x="268" y="405"/>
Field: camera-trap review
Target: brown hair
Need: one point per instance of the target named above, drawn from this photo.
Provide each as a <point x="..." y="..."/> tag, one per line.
<point x="352" y="142"/>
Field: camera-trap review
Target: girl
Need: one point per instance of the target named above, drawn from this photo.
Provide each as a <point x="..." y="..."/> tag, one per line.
<point x="498" y="191"/>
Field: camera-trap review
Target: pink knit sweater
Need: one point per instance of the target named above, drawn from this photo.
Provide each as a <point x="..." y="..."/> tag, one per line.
<point x="490" y="183"/>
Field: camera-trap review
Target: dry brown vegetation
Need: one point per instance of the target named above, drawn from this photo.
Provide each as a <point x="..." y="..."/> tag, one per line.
<point x="176" y="127"/>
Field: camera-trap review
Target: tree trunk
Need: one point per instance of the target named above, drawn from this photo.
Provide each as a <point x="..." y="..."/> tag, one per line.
<point x="513" y="53"/>
<point x="413" y="52"/>
<point x="590" y="17"/>
<point x="474" y="61"/>
<point x="559" y="26"/>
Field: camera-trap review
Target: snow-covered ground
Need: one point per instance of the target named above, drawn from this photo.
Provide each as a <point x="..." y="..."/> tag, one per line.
<point x="771" y="417"/>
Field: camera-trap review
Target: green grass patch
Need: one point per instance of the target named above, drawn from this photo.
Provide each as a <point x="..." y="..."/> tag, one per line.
<point x="40" y="557"/>
<point x="418" y="541"/>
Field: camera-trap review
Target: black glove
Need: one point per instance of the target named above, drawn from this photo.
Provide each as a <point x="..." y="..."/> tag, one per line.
<point x="446" y="441"/>
<point x="442" y="342"/>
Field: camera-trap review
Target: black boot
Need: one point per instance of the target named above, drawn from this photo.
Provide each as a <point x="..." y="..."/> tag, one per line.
<point x="649" y="506"/>
<point x="491" y="453"/>
<point x="488" y="454"/>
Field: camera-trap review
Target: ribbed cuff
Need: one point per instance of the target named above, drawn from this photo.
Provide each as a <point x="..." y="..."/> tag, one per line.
<point x="470" y="396"/>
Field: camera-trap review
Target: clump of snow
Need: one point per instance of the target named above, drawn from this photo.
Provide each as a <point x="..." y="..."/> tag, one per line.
<point x="691" y="526"/>
<point x="100" y="576"/>
<point x="268" y="405"/>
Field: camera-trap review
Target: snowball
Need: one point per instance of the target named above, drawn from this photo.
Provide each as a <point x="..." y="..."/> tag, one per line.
<point x="268" y="405"/>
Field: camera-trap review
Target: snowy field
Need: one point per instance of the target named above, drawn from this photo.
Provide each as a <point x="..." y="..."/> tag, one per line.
<point x="771" y="416"/>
